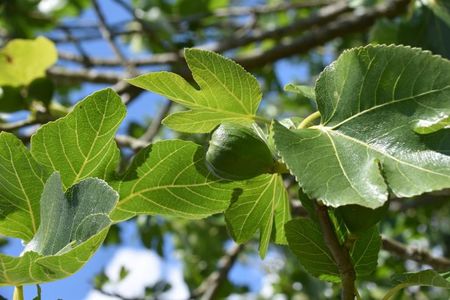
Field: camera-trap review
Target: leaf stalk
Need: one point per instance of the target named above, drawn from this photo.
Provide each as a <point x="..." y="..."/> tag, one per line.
<point x="308" y="120"/>
<point x="18" y="293"/>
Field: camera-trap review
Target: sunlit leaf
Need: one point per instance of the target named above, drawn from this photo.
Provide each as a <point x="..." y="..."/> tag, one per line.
<point x="21" y="183"/>
<point x="81" y="144"/>
<point x="226" y="92"/>
<point x="22" y="61"/>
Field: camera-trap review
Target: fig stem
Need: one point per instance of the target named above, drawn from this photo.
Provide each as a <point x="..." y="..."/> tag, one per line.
<point x="262" y="120"/>
<point x="309" y="119"/>
<point x="18" y="293"/>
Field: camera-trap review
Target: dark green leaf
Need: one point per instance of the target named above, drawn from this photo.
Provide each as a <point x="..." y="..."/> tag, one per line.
<point x="422" y="278"/>
<point x="372" y="100"/>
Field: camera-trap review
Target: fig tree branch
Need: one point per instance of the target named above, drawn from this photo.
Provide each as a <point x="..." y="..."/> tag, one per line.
<point x="211" y="285"/>
<point x="418" y="255"/>
<point x="339" y="252"/>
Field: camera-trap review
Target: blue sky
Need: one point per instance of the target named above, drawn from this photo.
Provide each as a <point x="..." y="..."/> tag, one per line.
<point x="78" y="286"/>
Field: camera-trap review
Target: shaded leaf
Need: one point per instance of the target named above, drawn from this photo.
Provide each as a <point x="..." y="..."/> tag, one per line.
<point x="425" y="28"/>
<point x="81" y="144"/>
<point x="21" y="183"/>
<point x="366" y="140"/>
<point x="226" y="92"/>
<point x="11" y="99"/>
<point x="364" y="252"/>
<point x="22" y="61"/>
<point x="422" y="278"/>
<point x="305" y="239"/>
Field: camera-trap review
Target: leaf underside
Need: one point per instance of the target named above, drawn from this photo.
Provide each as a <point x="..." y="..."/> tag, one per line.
<point x="73" y="225"/>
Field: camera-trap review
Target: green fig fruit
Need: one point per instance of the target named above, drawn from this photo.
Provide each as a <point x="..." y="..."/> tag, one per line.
<point x="238" y="152"/>
<point x="359" y="218"/>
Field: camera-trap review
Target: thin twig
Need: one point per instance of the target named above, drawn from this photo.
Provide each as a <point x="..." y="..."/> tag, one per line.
<point x="322" y="16"/>
<point x="17" y="125"/>
<point x="418" y="255"/>
<point x="349" y="23"/>
<point x="85" y="57"/>
<point x="211" y="285"/>
<point x="156" y="124"/>
<point x="130" y="142"/>
<point x="106" y="33"/>
<point x="146" y="28"/>
<point x="339" y="252"/>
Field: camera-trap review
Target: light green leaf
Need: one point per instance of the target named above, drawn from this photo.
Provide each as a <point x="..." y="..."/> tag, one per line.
<point x="81" y="144"/>
<point x="226" y="92"/>
<point x="364" y="252"/>
<point x="422" y="278"/>
<point x="305" y="239"/>
<point x="171" y="178"/>
<point x="371" y="99"/>
<point x="430" y="126"/>
<point x="263" y="201"/>
<point x="282" y="216"/>
<point x="303" y="90"/>
<point x="22" y="61"/>
<point x="72" y="227"/>
<point x="21" y="183"/>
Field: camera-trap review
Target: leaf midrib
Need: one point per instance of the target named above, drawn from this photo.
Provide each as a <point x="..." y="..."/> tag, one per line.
<point x="328" y="130"/>
<point x="386" y="104"/>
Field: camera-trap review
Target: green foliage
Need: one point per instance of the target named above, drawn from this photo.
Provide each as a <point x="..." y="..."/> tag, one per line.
<point x="170" y="178"/>
<point x="359" y="218"/>
<point x="303" y="90"/>
<point x="305" y="239"/>
<point x="383" y="132"/>
<point x="263" y="201"/>
<point x="22" y="180"/>
<point x="226" y="92"/>
<point x="22" y="61"/>
<point x="73" y="225"/>
<point x="73" y="216"/>
<point x="82" y="144"/>
<point x="427" y="27"/>
<point x="422" y="278"/>
<point x="370" y="108"/>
